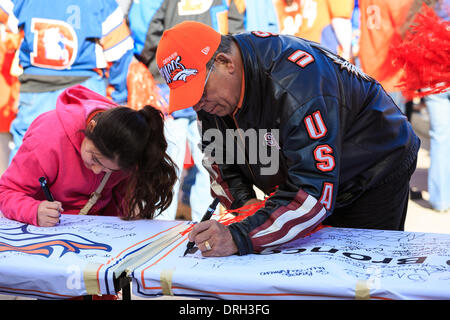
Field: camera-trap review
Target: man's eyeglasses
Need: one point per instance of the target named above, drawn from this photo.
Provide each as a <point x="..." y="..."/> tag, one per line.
<point x="204" y="87"/>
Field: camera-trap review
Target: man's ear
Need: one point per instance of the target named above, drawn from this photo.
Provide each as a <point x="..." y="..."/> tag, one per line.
<point x="91" y="125"/>
<point x="226" y="60"/>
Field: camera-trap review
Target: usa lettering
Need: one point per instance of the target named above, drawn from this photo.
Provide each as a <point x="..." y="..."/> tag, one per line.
<point x="301" y="58"/>
<point x="327" y="195"/>
<point x="315" y="126"/>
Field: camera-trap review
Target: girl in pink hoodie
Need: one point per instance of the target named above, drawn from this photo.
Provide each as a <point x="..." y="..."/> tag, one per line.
<point x="74" y="147"/>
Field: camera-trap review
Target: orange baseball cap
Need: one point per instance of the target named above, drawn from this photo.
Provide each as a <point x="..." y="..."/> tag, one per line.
<point x="182" y="55"/>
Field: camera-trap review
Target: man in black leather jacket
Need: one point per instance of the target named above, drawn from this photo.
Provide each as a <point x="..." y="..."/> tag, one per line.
<point x="298" y="122"/>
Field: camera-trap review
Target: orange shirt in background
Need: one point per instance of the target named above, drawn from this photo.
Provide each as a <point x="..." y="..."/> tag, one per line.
<point x="381" y="21"/>
<point x="317" y="14"/>
<point x="308" y="18"/>
<point x="289" y="16"/>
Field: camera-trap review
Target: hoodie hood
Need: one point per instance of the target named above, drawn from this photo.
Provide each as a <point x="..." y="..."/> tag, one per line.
<point x="73" y="107"/>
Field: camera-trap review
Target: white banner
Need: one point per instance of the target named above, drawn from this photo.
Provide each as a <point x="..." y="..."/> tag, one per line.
<point x="84" y="254"/>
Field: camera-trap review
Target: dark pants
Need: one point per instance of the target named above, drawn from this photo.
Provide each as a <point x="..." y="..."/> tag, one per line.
<point x="383" y="207"/>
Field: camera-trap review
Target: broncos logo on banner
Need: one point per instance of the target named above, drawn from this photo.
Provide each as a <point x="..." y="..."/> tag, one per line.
<point x="20" y="239"/>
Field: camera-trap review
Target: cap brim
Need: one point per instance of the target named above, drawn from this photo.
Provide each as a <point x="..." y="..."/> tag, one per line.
<point x="188" y="94"/>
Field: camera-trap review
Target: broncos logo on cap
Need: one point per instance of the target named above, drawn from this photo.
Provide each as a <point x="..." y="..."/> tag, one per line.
<point x="183" y="74"/>
<point x="174" y="70"/>
<point x="20" y="239"/>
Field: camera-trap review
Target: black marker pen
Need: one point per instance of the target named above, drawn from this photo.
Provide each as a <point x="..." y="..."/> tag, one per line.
<point x="206" y="216"/>
<point x="46" y="189"/>
<point x="48" y="194"/>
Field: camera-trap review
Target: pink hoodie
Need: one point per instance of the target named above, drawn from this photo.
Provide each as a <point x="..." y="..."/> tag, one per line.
<point x="51" y="148"/>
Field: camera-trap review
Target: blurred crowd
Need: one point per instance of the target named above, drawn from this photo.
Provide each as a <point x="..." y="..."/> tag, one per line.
<point x="109" y="46"/>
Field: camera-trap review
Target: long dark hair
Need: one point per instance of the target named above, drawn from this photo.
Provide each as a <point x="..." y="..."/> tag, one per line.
<point x="135" y="139"/>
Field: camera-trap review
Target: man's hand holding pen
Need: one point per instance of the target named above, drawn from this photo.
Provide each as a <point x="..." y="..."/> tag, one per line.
<point x="213" y="239"/>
